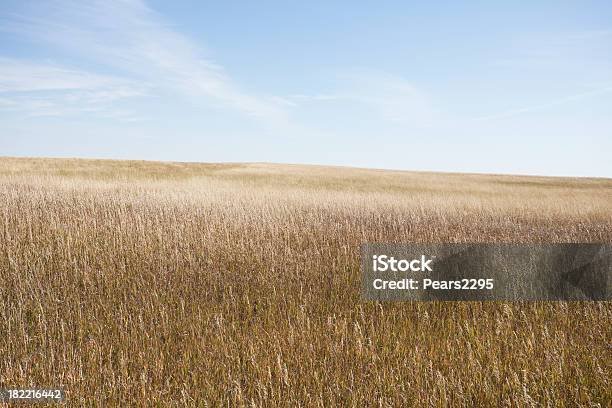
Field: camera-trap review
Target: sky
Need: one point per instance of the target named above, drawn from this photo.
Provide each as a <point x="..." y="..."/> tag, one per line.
<point x="502" y="87"/>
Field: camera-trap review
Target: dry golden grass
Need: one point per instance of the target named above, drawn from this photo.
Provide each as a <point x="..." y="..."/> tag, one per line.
<point x="156" y="284"/>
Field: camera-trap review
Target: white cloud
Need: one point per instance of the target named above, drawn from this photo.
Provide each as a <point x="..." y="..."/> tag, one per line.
<point x="129" y="36"/>
<point x="320" y="97"/>
<point x="550" y="104"/>
<point x="23" y="76"/>
<point x="574" y="54"/>
<point x="39" y="89"/>
<point x="395" y="98"/>
<point x="391" y="97"/>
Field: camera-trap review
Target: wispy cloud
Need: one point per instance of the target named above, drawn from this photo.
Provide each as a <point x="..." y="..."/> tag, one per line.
<point x="43" y="89"/>
<point x="570" y="52"/>
<point x="395" y="98"/>
<point x="557" y="102"/>
<point x="318" y="97"/>
<point x="391" y="97"/>
<point x="143" y="51"/>
<point x="130" y="37"/>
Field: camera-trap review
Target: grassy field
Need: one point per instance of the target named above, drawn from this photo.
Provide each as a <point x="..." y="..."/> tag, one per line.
<point x="154" y="284"/>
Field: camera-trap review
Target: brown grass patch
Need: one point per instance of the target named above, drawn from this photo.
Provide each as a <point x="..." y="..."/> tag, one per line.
<point x="135" y="283"/>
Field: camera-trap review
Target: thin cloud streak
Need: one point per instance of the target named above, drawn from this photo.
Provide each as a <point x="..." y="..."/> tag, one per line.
<point x="132" y="38"/>
<point x="390" y="97"/>
<point x="562" y="101"/>
<point x="24" y="76"/>
<point x="37" y="89"/>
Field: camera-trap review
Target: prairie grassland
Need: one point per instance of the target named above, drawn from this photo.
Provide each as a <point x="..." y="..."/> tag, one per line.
<point x="156" y="284"/>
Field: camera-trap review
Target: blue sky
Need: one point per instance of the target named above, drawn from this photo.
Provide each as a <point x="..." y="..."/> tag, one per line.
<point x="498" y="88"/>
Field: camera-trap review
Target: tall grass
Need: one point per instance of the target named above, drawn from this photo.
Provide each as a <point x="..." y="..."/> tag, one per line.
<point x="144" y="284"/>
